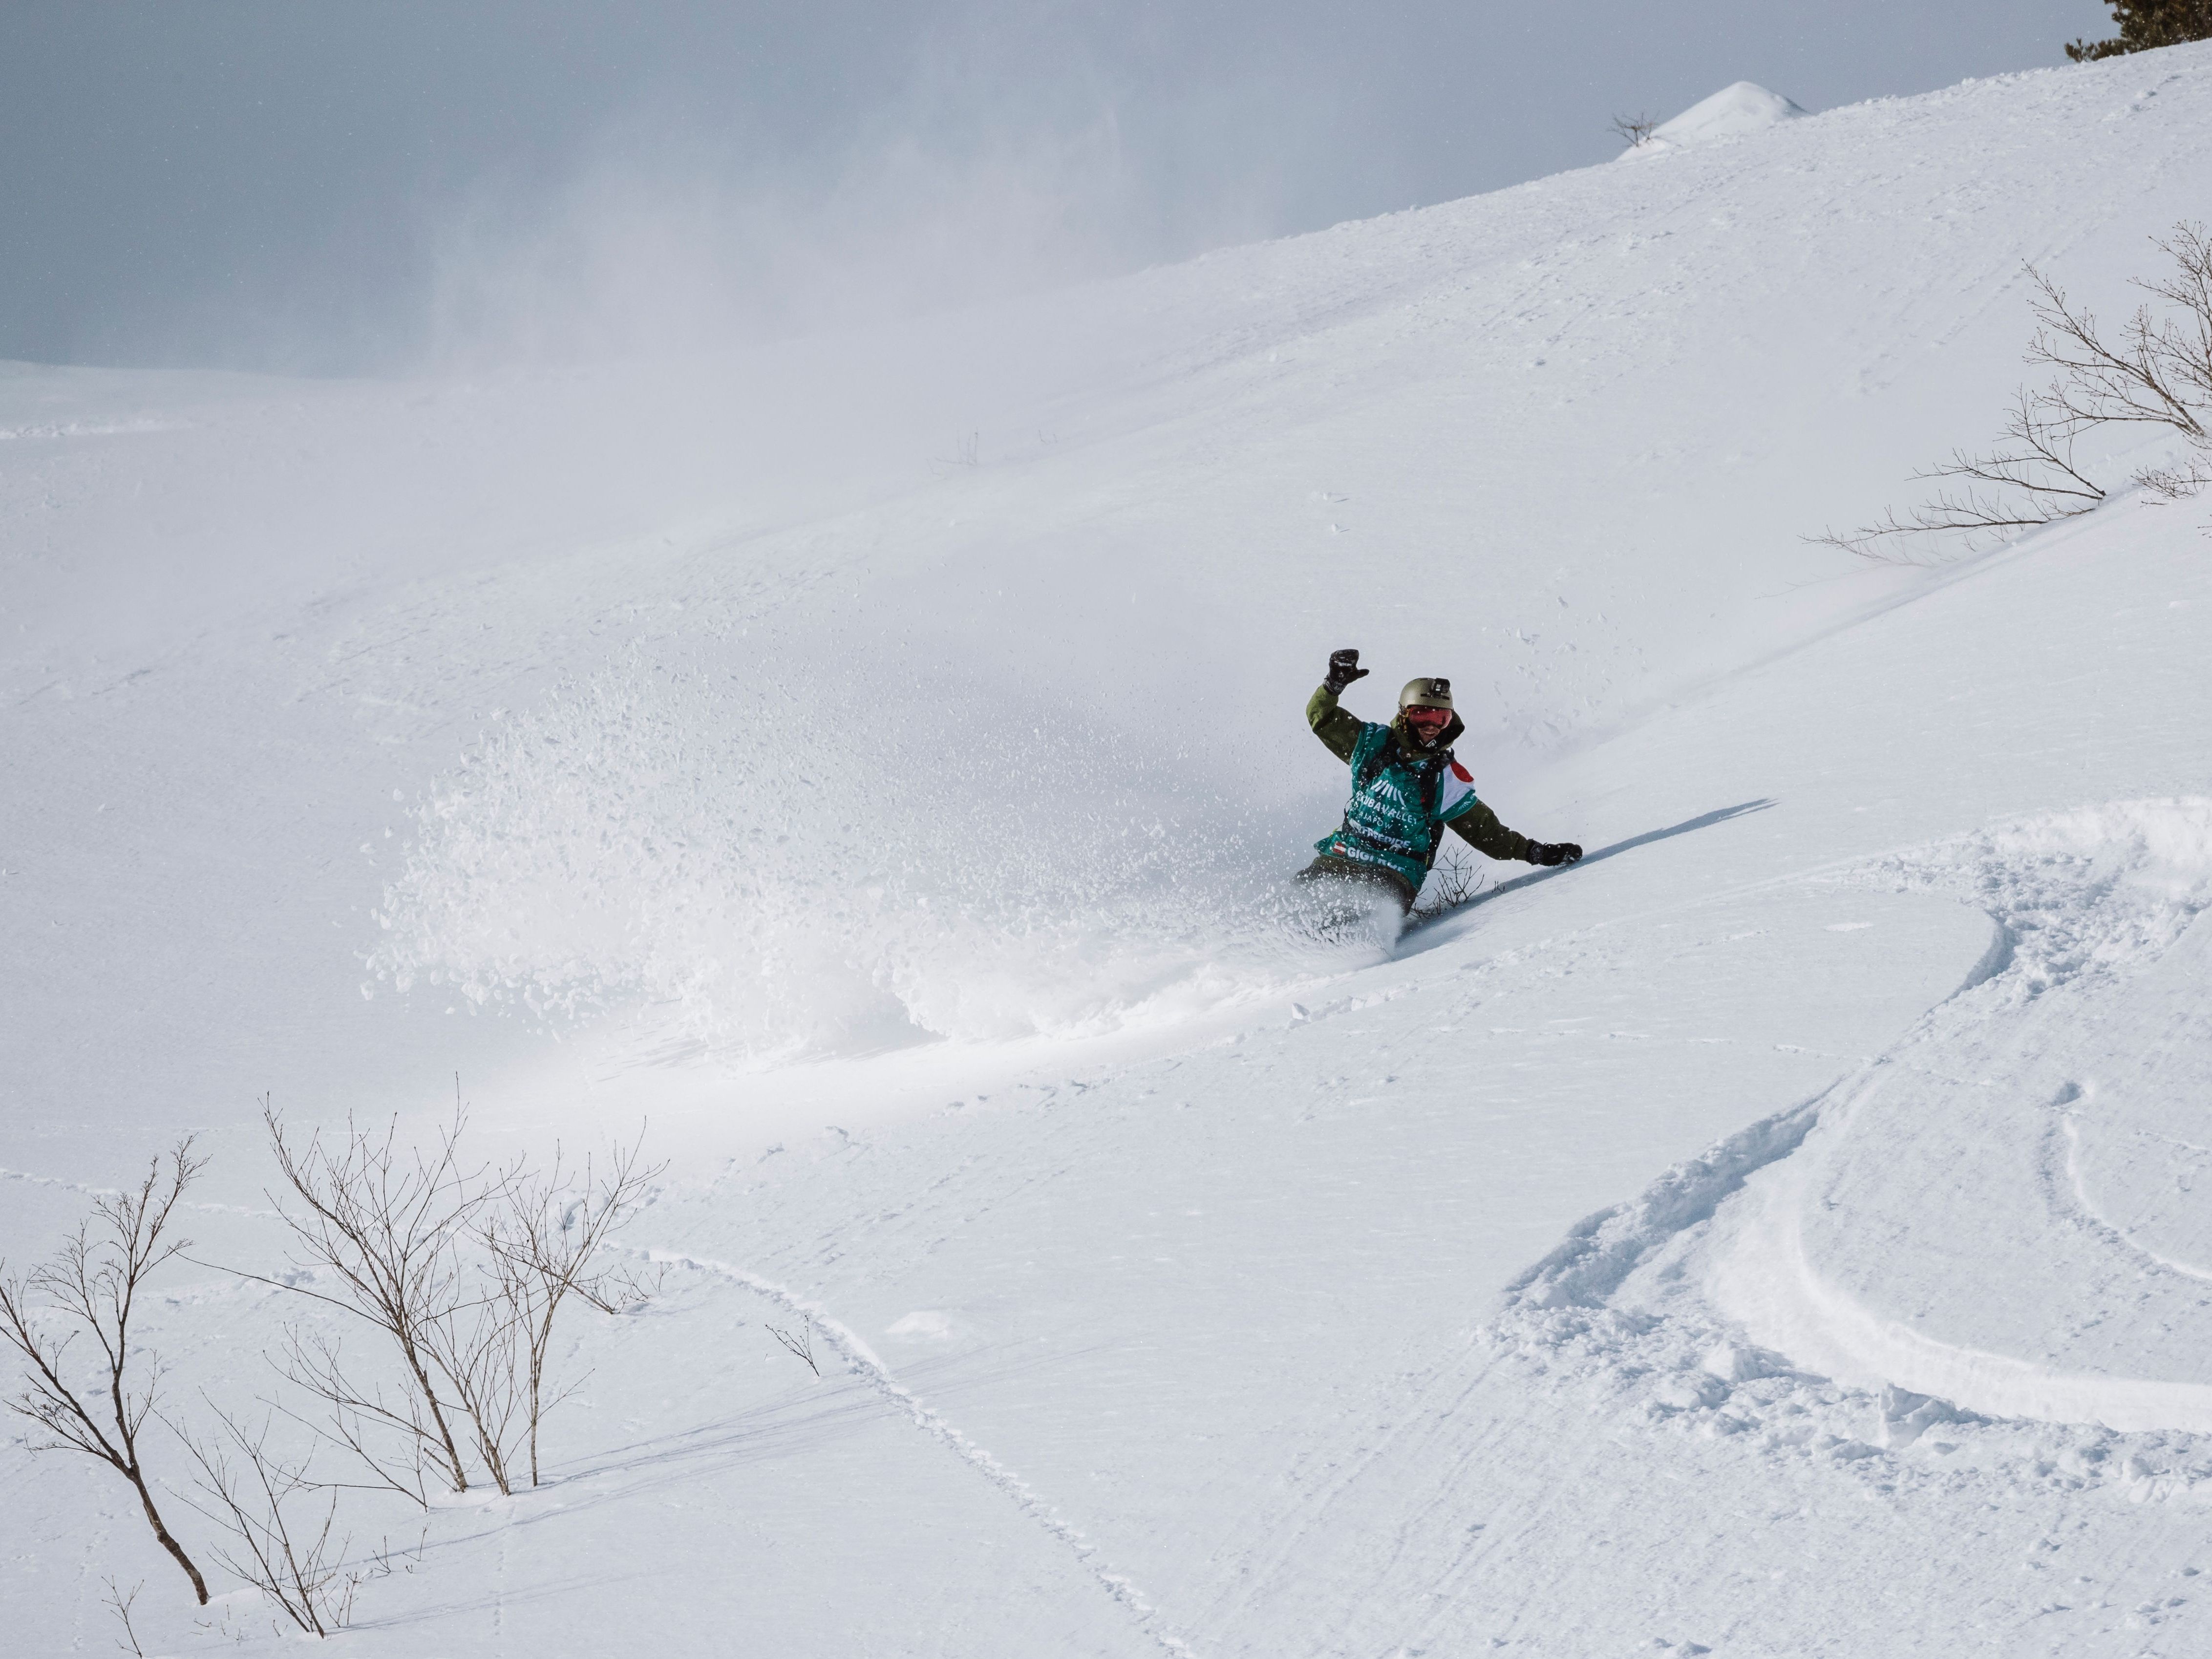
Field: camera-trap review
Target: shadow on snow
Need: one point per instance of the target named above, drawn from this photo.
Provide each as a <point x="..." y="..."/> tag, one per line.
<point x="1422" y="925"/>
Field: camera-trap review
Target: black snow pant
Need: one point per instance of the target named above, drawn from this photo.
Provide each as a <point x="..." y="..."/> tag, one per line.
<point x="1371" y="877"/>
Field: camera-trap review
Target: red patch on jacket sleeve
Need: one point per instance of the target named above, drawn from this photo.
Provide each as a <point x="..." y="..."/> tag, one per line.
<point x="1462" y="773"/>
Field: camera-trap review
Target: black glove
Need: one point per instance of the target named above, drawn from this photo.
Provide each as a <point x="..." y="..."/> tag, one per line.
<point x="1343" y="669"/>
<point x="1554" y="851"/>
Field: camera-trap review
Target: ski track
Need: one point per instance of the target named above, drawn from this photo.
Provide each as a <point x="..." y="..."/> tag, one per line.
<point x="857" y="1353"/>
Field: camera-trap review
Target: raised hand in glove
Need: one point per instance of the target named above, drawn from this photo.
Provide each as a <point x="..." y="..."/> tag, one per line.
<point x="1554" y="851"/>
<point x="1343" y="669"/>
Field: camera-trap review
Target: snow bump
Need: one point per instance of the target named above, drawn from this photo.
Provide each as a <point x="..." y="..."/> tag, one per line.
<point x="1734" y="109"/>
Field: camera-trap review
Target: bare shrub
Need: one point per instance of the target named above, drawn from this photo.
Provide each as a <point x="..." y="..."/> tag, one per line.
<point x="2033" y="461"/>
<point x="463" y="1272"/>
<point x="478" y="1354"/>
<point x="90" y="1288"/>
<point x="1635" y="130"/>
<point x="2157" y="372"/>
<point x="384" y="1224"/>
<point x="543" y="1241"/>
<point x="1453" y="880"/>
<point x="281" y="1525"/>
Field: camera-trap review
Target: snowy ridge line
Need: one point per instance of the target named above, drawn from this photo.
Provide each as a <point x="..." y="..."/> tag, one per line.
<point x="849" y="1343"/>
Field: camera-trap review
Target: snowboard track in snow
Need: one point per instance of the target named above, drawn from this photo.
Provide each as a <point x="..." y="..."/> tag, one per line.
<point x="1640" y="1302"/>
<point x="857" y="1353"/>
<point x="2077" y="1191"/>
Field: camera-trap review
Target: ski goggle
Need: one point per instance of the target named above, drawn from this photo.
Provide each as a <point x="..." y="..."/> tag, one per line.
<point x="1423" y="712"/>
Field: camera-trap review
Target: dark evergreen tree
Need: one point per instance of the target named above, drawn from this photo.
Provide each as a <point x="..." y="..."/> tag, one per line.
<point x="2145" y="25"/>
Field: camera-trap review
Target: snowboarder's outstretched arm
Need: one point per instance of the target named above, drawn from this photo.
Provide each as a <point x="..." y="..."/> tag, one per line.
<point x="1337" y="727"/>
<point x="1478" y="826"/>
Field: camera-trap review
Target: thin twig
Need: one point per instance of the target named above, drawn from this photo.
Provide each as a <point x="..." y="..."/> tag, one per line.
<point x="120" y="1603"/>
<point x="2158" y="372"/>
<point x="250" y="1494"/>
<point x="802" y="1344"/>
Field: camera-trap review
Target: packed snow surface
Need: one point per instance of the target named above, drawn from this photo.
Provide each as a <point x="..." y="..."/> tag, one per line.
<point x="874" y="764"/>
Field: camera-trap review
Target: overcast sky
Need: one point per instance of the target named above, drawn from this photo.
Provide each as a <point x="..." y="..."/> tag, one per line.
<point x="331" y="188"/>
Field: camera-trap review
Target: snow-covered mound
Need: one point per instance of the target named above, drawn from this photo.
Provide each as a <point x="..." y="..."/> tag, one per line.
<point x="875" y="762"/>
<point x="1733" y="110"/>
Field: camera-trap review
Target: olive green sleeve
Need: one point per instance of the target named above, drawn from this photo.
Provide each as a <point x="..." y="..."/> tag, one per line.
<point x="1337" y="727"/>
<point x="1479" y="828"/>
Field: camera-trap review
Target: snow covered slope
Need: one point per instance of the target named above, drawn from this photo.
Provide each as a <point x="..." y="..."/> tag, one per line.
<point x="875" y="761"/>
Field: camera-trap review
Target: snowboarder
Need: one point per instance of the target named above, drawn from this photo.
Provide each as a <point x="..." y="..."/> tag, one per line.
<point x="1406" y="789"/>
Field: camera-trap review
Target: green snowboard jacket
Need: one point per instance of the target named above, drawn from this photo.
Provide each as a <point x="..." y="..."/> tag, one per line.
<point x="1404" y="796"/>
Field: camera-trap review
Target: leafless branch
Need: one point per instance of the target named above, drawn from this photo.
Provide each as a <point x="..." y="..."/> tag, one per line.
<point x="388" y="1431"/>
<point x="91" y="1287"/>
<point x="2035" y="457"/>
<point x="2189" y="290"/>
<point x="545" y="1240"/>
<point x="385" y="1225"/>
<point x="121" y="1604"/>
<point x="1634" y="130"/>
<point x="2031" y="471"/>
<point x="2159" y="372"/>
<point x="473" y="1327"/>
<point x="2144" y="380"/>
<point x="1452" y="882"/>
<point x="801" y="1345"/>
<point x="282" y="1525"/>
<point x="2175" y="483"/>
<point x="478" y="1352"/>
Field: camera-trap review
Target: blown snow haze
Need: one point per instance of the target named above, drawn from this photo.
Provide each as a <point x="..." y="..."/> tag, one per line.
<point x="876" y="757"/>
<point x="257" y="184"/>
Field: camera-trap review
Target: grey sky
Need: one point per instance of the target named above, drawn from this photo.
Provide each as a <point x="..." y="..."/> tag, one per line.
<point x="274" y="183"/>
